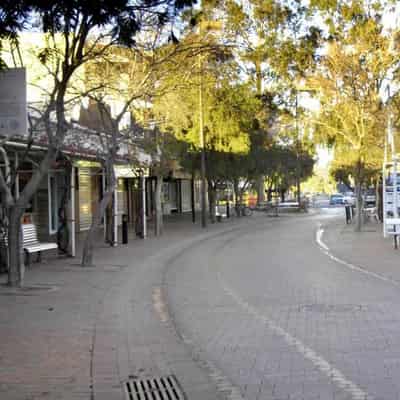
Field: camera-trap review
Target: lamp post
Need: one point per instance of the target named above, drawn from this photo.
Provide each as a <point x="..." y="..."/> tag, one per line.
<point x="207" y="26"/>
<point x="202" y="148"/>
<point x="297" y="150"/>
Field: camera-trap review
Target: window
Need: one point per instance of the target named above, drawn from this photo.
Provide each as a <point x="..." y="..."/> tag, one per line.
<point x="165" y="192"/>
<point x="53" y="204"/>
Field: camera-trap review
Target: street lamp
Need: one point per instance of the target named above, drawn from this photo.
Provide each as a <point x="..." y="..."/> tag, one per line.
<point x="202" y="147"/>
<point x="207" y="26"/>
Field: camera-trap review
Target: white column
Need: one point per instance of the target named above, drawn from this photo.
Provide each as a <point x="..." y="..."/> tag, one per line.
<point x="103" y="178"/>
<point x="115" y="212"/>
<point x="16" y="176"/>
<point x="72" y="214"/>
<point x="144" y="207"/>
<point x="395" y="202"/>
<point x="384" y="199"/>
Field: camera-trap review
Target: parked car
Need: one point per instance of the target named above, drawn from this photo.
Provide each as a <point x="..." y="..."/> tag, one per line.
<point x="320" y="200"/>
<point x="336" y="198"/>
<point x="370" y="198"/>
<point x="349" y="198"/>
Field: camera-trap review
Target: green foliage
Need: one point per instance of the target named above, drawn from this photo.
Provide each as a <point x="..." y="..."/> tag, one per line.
<point x="348" y="84"/>
<point x="229" y="111"/>
<point x="344" y="173"/>
<point x="322" y="182"/>
<point x="13" y="16"/>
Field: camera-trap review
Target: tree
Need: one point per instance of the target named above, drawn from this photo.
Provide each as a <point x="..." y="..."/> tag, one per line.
<point x="67" y="27"/>
<point x="361" y="58"/>
<point x="165" y="151"/>
<point x="114" y="144"/>
<point x="227" y="125"/>
<point x="219" y="114"/>
<point x="125" y="78"/>
<point x="352" y="115"/>
<point x="277" y="43"/>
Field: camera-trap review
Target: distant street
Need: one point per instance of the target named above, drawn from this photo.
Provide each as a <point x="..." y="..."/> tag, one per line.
<point x="279" y="319"/>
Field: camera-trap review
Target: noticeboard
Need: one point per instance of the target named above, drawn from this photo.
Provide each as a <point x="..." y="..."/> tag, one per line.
<point x="13" y="106"/>
<point x="391" y="195"/>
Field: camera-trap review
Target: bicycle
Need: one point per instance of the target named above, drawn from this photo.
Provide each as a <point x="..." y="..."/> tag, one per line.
<point x="261" y="207"/>
<point x="243" y="211"/>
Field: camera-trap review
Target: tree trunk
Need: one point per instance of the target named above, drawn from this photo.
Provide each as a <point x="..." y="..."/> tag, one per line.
<point x="159" y="214"/>
<point x="359" y="207"/>
<point x="359" y="202"/>
<point x="269" y="193"/>
<point x="87" y="253"/>
<point x="241" y="194"/>
<point x="16" y="266"/>
<point x="298" y="189"/>
<point x="108" y="215"/>
<point x="212" y="201"/>
<point x="260" y="190"/>
<point x="379" y="199"/>
<point x="359" y="199"/>
<point x="237" y="197"/>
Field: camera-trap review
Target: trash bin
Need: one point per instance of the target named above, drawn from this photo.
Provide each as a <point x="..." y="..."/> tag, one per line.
<point x="124" y="229"/>
<point x="349" y="214"/>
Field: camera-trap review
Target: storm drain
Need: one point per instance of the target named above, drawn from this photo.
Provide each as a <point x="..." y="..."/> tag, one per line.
<point x="163" y="388"/>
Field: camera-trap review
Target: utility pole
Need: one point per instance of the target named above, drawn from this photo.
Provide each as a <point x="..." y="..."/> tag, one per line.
<point x="297" y="151"/>
<point x="202" y="148"/>
<point x="208" y="26"/>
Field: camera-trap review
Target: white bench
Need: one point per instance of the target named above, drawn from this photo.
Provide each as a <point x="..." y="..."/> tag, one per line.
<point x="31" y="244"/>
<point x="395" y="222"/>
<point x="289" y="205"/>
<point x="371" y="212"/>
<point x="219" y="215"/>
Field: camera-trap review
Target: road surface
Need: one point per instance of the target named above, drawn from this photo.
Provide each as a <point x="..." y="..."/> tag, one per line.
<point x="272" y="316"/>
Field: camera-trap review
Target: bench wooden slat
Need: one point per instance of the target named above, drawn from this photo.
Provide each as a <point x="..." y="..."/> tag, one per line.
<point x="30" y="242"/>
<point x="40" y="247"/>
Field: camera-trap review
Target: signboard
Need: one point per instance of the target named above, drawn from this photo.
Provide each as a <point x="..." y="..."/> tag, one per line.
<point x="13" y="108"/>
<point x="86" y="164"/>
<point x="391" y="195"/>
<point x="128" y="171"/>
<point x="125" y="171"/>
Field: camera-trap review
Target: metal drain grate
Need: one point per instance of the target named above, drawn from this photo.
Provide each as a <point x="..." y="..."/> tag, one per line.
<point x="163" y="388"/>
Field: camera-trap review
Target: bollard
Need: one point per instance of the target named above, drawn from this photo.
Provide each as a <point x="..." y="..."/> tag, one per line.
<point x="124" y="229"/>
<point x="227" y="210"/>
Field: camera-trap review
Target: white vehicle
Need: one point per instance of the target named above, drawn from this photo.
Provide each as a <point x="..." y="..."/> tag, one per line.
<point x="320" y="200"/>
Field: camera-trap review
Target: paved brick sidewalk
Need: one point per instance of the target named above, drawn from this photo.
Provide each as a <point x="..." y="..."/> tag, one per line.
<point x="78" y="333"/>
<point x="367" y="249"/>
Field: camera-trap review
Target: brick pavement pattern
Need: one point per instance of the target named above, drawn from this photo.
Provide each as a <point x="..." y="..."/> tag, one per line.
<point x="251" y="309"/>
<point x="281" y="320"/>
<point x="79" y="333"/>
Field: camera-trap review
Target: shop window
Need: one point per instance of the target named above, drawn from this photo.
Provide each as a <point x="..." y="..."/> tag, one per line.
<point x="165" y="192"/>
